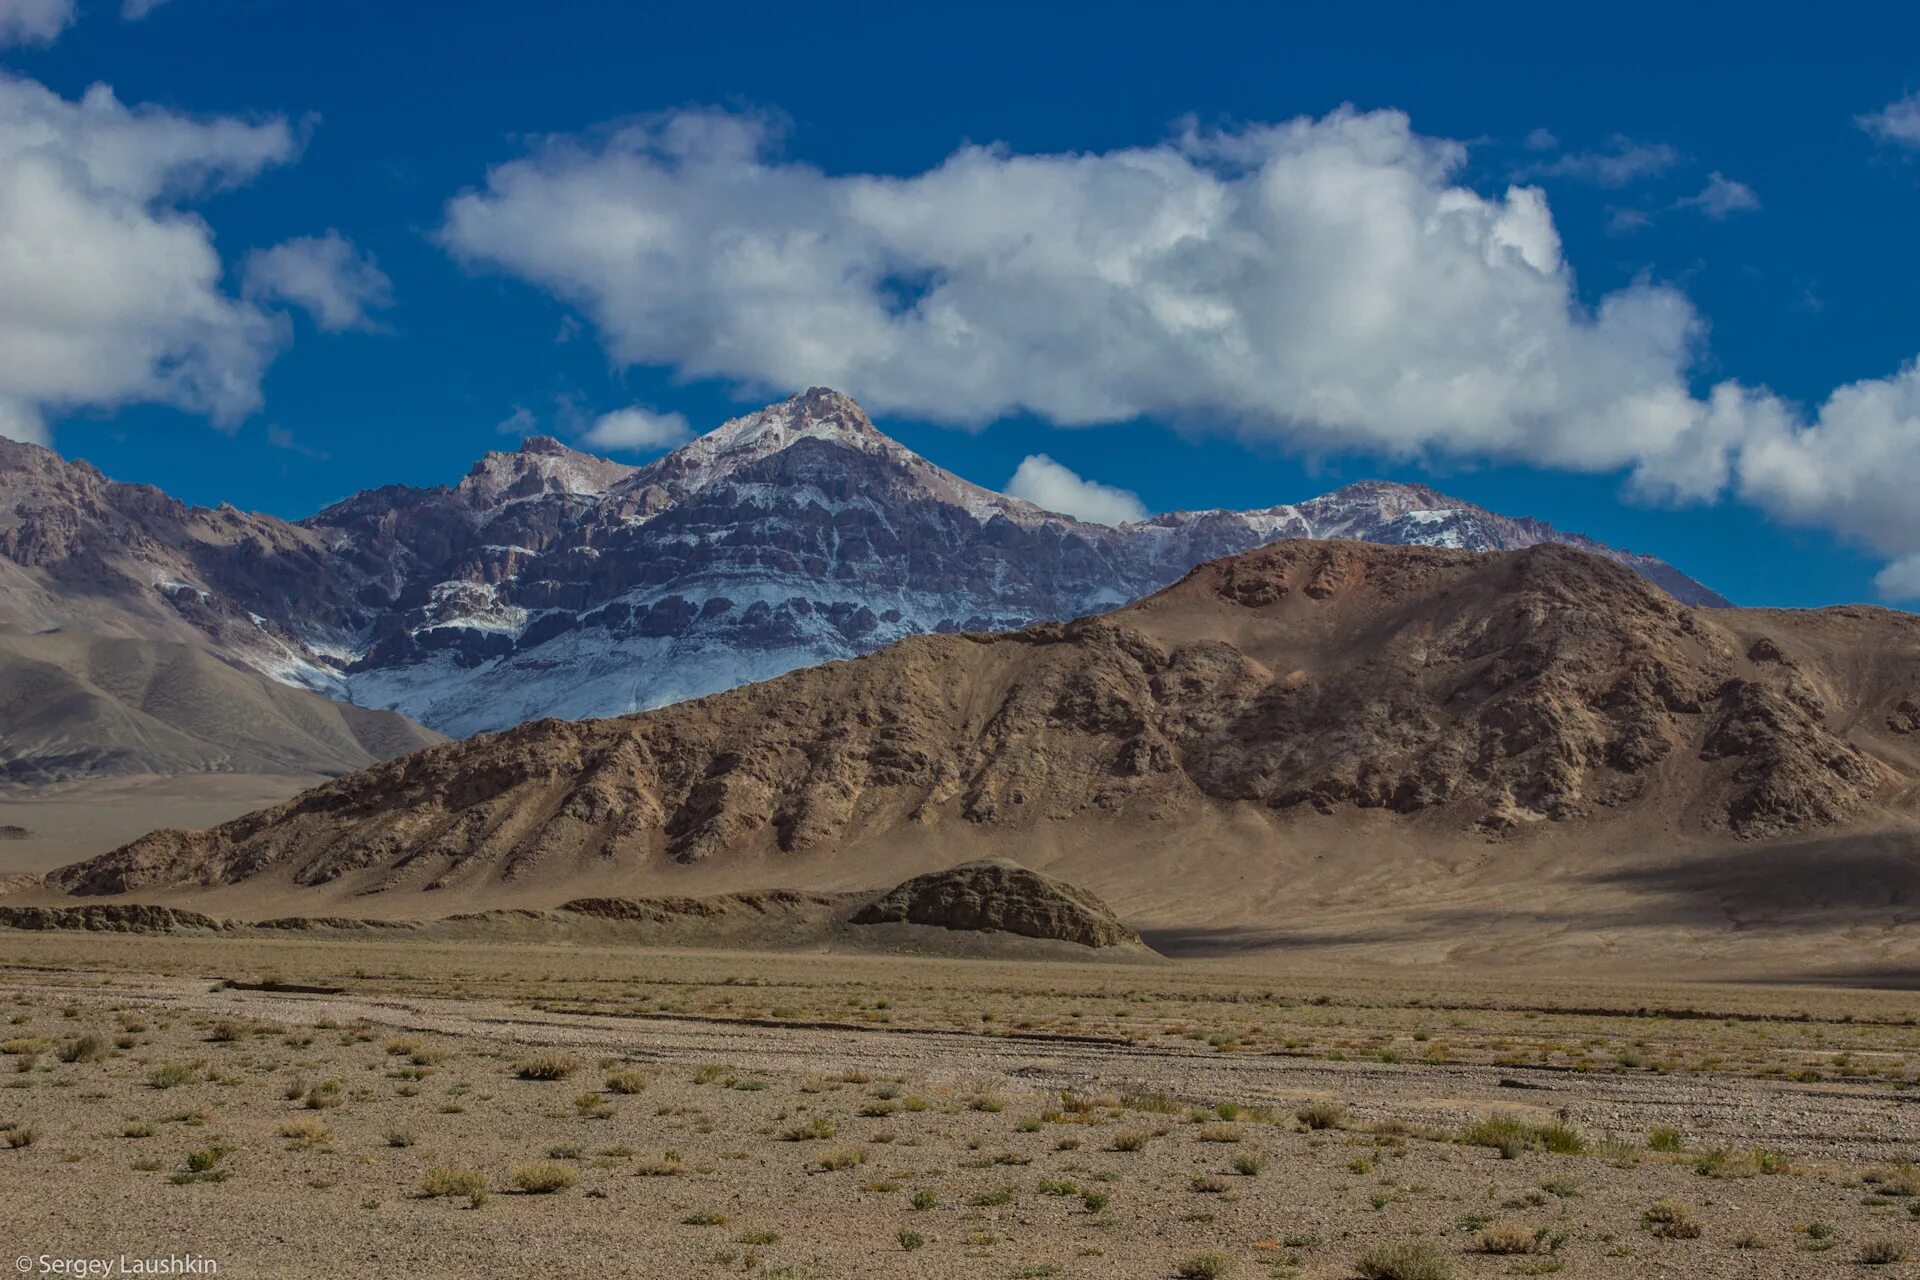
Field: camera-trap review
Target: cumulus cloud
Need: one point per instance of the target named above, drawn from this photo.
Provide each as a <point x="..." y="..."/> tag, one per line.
<point x="110" y="289"/>
<point x="1326" y="281"/>
<point x="1853" y="469"/>
<point x="33" y="21"/>
<point x="1620" y="162"/>
<point x="1329" y="283"/>
<point x="1045" y="483"/>
<point x="1898" y="122"/>
<point x="638" y="430"/>
<point x="1722" y="196"/>
<point x="335" y="282"/>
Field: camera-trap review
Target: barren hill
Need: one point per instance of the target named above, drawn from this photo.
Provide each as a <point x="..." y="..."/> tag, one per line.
<point x="77" y="705"/>
<point x="1315" y="739"/>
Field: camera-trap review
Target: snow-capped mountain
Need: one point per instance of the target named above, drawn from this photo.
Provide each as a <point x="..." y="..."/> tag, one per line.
<point x="549" y="582"/>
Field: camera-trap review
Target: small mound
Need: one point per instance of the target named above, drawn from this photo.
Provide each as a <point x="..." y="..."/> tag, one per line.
<point x="1001" y="897"/>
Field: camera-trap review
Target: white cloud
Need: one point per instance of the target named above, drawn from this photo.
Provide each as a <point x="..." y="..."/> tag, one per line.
<point x="1722" y="196"/>
<point x="110" y="290"/>
<point x="520" y="422"/>
<point x="638" y="430"/>
<point x="1323" y="281"/>
<point x="1898" y="122"/>
<point x="1045" y="483"/>
<point x="1620" y="162"/>
<point x="1329" y="284"/>
<point x="334" y="281"/>
<point x="1626" y="221"/>
<point x="1541" y="140"/>
<point x="134" y="10"/>
<point x="1853" y="469"/>
<point x="33" y="21"/>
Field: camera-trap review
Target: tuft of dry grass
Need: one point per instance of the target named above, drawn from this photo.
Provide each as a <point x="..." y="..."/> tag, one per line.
<point x="83" y="1049"/>
<point x="170" y="1075"/>
<point x="304" y="1132"/>
<point x="1208" y="1265"/>
<point x="1506" y="1238"/>
<point x="1405" y="1260"/>
<point x="1321" y="1115"/>
<point x="843" y="1158"/>
<point x="544" y="1177"/>
<point x="1670" y="1221"/>
<point x="546" y="1066"/>
<point x="625" y="1081"/>
<point x="445" y="1181"/>
<point x="1880" y="1253"/>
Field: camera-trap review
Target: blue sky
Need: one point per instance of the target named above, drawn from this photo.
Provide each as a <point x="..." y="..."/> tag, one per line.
<point x="1791" y="272"/>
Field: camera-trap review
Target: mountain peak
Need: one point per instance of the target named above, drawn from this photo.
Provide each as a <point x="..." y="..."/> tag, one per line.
<point x="1393" y="491"/>
<point x="818" y="413"/>
<point x="540" y="465"/>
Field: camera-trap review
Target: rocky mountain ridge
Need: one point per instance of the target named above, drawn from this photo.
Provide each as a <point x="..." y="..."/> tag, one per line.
<point x="1281" y="700"/>
<point x="549" y="582"/>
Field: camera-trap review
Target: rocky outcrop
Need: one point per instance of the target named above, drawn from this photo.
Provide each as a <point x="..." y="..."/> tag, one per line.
<point x="112" y="918"/>
<point x="1000" y="897"/>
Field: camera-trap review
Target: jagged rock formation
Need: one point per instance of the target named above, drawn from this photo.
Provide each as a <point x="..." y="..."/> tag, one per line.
<point x="996" y="896"/>
<point x="1470" y="694"/>
<point x="549" y="582"/>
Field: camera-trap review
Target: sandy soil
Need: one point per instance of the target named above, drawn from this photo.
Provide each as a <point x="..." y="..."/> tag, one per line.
<point x="81" y="819"/>
<point x="832" y="1116"/>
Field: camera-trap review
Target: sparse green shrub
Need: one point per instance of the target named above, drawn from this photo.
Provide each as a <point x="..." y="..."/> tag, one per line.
<point x="1665" y="1137"/>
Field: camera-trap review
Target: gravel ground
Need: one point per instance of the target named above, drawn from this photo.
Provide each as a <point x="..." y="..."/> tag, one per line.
<point x="724" y="1127"/>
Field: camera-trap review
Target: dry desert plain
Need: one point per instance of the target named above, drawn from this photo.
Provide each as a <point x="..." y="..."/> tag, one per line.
<point x="305" y="1107"/>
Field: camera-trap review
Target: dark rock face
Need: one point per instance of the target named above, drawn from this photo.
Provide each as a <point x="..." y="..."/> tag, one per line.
<point x="1001" y="897"/>
<point x="111" y="918"/>
<point x="548" y="582"/>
